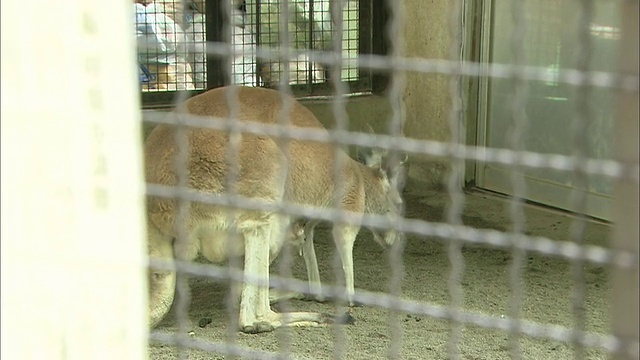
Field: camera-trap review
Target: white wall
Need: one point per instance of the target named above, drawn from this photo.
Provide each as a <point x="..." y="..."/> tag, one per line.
<point x="73" y="278"/>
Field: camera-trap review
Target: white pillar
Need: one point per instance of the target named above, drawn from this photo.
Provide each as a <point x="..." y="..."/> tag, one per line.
<point x="73" y="253"/>
<point x="625" y="208"/>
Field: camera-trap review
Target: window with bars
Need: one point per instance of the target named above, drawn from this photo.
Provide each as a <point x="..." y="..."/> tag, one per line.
<point x="179" y="45"/>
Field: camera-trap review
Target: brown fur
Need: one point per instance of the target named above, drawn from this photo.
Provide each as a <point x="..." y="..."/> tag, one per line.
<point x="310" y="181"/>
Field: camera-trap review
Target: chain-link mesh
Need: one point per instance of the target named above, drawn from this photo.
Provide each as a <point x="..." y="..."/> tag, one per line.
<point x="172" y="43"/>
<point x="284" y="52"/>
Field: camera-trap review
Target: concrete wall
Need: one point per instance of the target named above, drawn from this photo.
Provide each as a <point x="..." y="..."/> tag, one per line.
<point x="427" y="101"/>
<point x="371" y="109"/>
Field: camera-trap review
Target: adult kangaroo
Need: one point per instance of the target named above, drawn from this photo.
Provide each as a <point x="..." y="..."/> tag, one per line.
<point x="367" y="187"/>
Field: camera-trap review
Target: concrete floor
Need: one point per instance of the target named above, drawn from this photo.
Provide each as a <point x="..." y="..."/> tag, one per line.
<point x="547" y="296"/>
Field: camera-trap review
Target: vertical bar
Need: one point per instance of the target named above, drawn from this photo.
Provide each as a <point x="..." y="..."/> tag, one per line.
<point x="366" y="30"/>
<point x="258" y="42"/>
<point x="454" y="211"/>
<point x="311" y="48"/>
<point x="216" y="76"/>
<point x="472" y="52"/>
<point x="517" y="130"/>
<point x="284" y="119"/>
<point x="183" y="292"/>
<point x="284" y="44"/>
<point x="395" y="128"/>
<point x="232" y="158"/>
<point x="342" y="121"/>
<point x="73" y="255"/>
<point x="483" y="86"/>
<point x="625" y="211"/>
<point x="581" y="123"/>
<point x="377" y="42"/>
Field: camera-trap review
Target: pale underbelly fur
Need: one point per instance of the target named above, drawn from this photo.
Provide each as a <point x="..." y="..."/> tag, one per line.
<point x="218" y="245"/>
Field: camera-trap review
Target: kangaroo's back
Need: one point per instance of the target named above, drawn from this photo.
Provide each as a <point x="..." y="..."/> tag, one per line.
<point x="260" y="161"/>
<point x="260" y="158"/>
<point x="254" y="104"/>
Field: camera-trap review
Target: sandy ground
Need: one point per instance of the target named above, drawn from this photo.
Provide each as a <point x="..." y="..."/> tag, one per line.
<point x="547" y="297"/>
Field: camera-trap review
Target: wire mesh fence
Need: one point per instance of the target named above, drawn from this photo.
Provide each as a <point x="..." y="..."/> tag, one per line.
<point x="172" y="42"/>
<point x="239" y="166"/>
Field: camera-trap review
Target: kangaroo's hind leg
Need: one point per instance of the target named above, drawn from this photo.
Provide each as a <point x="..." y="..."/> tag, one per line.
<point x="344" y="237"/>
<point x="311" y="263"/>
<point x="294" y="239"/>
<point x="162" y="282"/>
<point x="255" y="312"/>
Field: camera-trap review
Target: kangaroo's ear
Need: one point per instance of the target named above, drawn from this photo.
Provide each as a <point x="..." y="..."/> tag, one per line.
<point x="371" y="156"/>
<point x="362" y="154"/>
<point x="395" y="170"/>
<point x="368" y="129"/>
<point x="403" y="159"/>
<point x="395" y="161"/>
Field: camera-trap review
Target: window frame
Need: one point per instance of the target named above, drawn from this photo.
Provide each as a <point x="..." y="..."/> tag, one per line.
<point x="373" y="16"/>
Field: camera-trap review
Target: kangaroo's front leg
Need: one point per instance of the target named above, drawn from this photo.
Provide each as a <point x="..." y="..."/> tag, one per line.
<point x="295" y="238"/>
<point x="311" y="263"/>
<point x="162" y="283"/>
<point x="344" y="237"/>
<point x="255" y="312"/>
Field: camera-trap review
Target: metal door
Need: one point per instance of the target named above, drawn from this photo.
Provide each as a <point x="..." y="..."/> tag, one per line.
<point x="550" y="42"/>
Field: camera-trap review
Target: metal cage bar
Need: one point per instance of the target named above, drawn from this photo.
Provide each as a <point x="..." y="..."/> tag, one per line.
<point x="626" y="233"/>
<point x="214" y="70"/>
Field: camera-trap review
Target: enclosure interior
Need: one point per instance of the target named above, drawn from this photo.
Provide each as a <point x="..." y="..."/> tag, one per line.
<point x="502" y="113"/>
